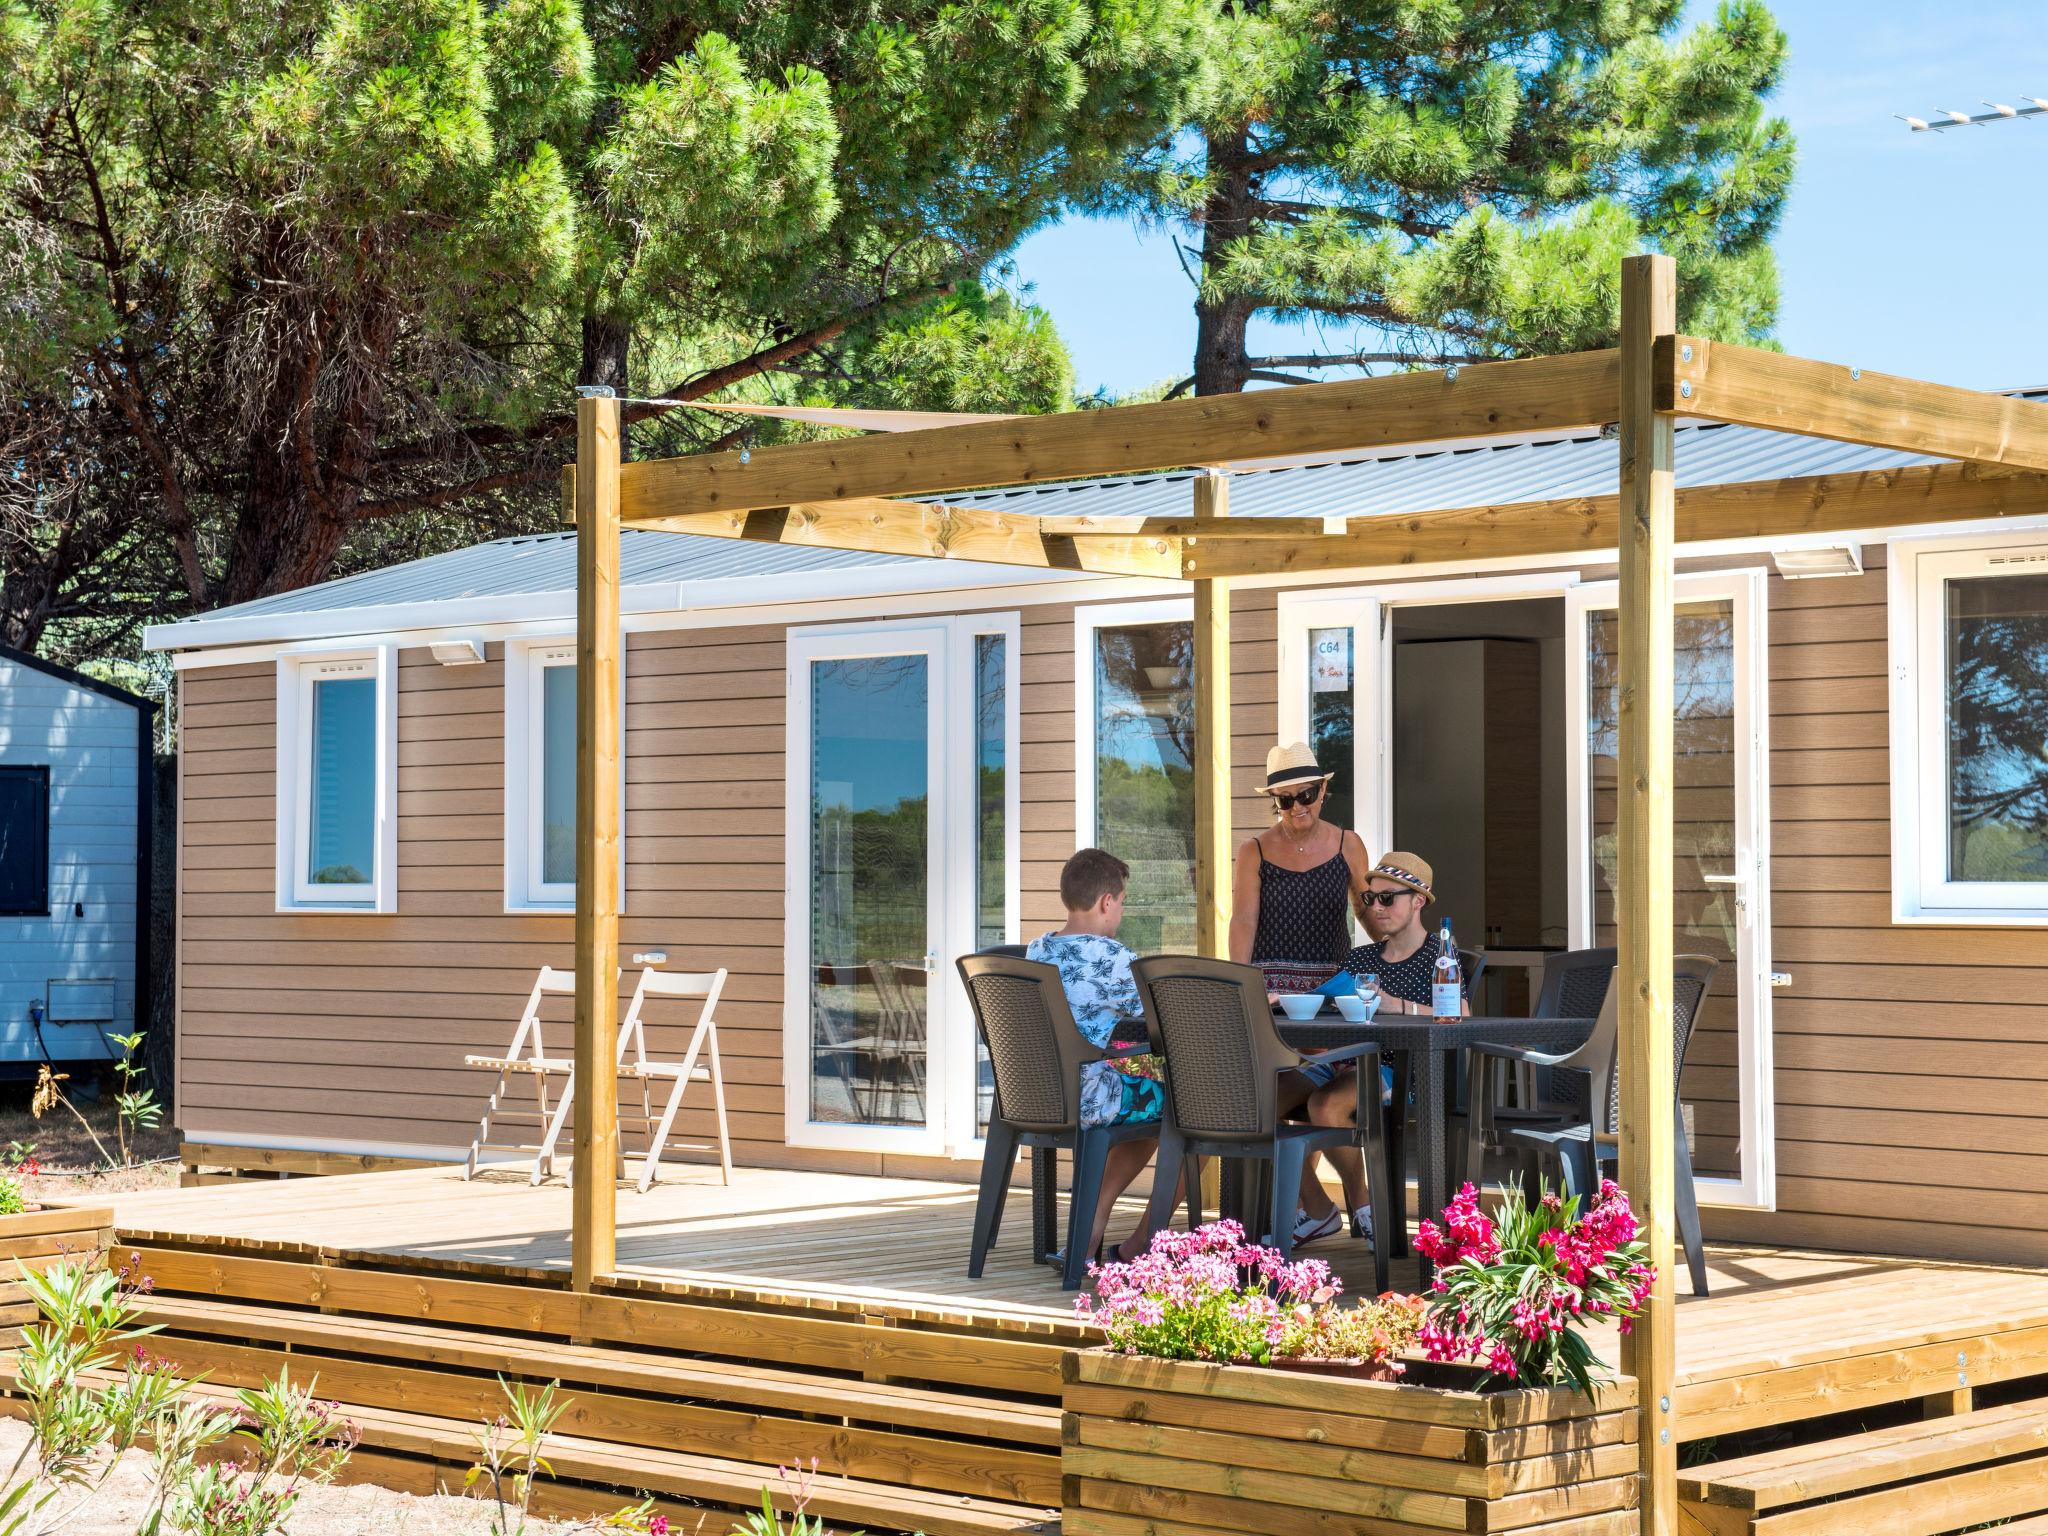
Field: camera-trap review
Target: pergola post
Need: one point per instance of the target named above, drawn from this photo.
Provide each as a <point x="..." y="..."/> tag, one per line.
<point x="1212" y="739"/>
<point x="593" y="1208"/>
<point x="1643" y="878"/>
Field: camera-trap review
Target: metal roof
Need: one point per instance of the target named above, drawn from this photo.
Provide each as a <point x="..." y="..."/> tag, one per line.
<point x="543" y="566"/>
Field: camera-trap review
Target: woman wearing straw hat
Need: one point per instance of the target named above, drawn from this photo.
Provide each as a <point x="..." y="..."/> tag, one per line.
<point x="1293" y="892"/>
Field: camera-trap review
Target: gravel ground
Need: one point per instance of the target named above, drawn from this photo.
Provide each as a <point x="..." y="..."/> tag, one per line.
<point x="361" y="1510"/>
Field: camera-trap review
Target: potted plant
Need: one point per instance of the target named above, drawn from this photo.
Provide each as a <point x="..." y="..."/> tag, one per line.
<point x="1513" y="1291"/>
<point x="1238" y="1394"/>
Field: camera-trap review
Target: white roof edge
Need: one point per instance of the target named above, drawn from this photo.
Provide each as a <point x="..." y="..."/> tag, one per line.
<point x="897" y="578"/>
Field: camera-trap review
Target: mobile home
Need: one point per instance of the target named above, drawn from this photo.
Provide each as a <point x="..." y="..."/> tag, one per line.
<point x="843" y="769"/>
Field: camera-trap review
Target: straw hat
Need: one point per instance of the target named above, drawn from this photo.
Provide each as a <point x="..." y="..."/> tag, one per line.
<point x="1294" y="763"/>
<point x="1406" y="869"/>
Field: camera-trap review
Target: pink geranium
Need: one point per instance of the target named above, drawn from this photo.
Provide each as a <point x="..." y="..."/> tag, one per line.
<point x="1512" y="1292"/>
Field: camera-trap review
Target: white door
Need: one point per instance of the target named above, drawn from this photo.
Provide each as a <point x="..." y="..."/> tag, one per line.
<point x="901" y="854"/>
<point x="1720" y="850"/>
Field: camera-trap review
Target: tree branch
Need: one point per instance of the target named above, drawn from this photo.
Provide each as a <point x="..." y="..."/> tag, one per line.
<point x="553" y="428"/>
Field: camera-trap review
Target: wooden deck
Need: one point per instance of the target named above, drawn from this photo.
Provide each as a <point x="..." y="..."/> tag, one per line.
<point x="790" y="1288"/>
<point x="839" y="1242"/>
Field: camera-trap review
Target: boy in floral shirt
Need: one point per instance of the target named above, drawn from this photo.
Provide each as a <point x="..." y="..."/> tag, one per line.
<point x="1095" y="972"/>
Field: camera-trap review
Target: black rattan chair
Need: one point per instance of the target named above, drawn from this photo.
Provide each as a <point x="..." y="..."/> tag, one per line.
<point x="1210" y="1021"/>
<point x="1566" y="1138"/>
<point x="1574" y="986"/>
<point x="1037" y="1052"/>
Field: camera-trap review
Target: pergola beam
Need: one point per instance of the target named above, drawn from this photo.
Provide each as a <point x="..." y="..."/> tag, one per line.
<point x="1537" y="394"/>
<point x="1795" y="394"/>
<point x="1579" y="525"/>
<point x="928" y="531"/>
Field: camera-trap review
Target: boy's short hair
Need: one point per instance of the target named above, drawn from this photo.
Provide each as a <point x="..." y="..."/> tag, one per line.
<point x="1089" y="876"/>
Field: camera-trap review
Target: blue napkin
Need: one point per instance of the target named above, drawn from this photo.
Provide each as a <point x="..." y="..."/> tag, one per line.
<point x="1343" y="984"/>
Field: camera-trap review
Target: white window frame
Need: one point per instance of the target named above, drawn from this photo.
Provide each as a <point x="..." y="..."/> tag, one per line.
<point x="525" y="662"/>
<point x="1916" y="622"/>
<point x="1088" y="618"/>
<point x="949" y="1129"/>
<point x="296" y="677"/>
<point x="962" y="1140"/>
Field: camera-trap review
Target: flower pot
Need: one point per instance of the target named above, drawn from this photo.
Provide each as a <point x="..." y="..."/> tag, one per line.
<point x="1294" y="1452"/>
<point x="52" y="1234"/>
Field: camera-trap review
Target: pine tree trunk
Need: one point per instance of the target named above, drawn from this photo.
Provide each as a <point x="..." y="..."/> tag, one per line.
<point x="607" y="351"/>
<point x="1221" y="323"/>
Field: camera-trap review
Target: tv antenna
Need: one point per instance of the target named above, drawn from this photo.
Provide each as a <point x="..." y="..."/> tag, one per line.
<point x="1945" y="118"/>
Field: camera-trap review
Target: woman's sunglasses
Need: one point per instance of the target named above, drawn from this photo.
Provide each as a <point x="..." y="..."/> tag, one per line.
<point x="1307" y="796"/>
<point x="1381" y="898"/>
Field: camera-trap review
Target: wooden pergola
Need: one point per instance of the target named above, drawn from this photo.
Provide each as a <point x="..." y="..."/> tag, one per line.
<point x="842" y="495"/>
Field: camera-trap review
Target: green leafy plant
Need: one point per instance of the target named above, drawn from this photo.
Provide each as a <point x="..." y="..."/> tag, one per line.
<point x="135" y="1107"/>
<point x="510" y="1461"/>
<point x="92" y="1392"/>
<point x="88" y="1395"/>
<point x="509" y="1455"/>
<point x="12" y="1201"/>
<point x="290" y="1440"/>
<point x="799" y="1487"/>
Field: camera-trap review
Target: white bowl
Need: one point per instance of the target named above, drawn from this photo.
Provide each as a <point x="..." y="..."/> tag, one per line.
<point x="1356" y="1009"/>
<point x="1300" y="1006"/>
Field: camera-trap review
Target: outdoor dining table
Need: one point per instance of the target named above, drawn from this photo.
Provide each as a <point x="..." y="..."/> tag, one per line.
<point x="1423" y="1050"/>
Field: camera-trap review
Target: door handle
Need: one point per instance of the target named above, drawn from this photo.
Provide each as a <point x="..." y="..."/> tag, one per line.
<point x="1724" y="879"/>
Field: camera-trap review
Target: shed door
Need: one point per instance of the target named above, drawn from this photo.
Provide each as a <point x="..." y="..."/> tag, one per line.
<point x="1720" y="874"/>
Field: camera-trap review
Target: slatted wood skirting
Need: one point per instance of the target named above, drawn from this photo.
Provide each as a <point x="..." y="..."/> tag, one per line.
<point x="795" y="1314"/>
<point x="35" y="1240"/>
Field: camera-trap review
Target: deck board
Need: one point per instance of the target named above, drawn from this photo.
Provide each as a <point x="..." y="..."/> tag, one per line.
<point x="864" y="1244"/>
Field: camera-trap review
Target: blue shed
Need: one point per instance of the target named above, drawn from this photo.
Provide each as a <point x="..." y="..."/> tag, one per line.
<point x="75" y="804"/>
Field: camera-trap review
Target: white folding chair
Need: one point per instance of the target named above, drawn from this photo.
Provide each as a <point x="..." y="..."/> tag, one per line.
<point x="527" y="1057"/>
<point x="703" y="1038"/>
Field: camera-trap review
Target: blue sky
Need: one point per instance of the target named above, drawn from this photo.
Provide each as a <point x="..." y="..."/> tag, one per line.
<point x="1920" y="254"/>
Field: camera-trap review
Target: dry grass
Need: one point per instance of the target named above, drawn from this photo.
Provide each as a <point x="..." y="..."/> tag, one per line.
<point x="360" y="1510"/>
<point x="73" y="1167"/>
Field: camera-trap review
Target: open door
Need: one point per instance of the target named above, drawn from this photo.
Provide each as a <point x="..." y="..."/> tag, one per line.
<point x="1334" y="696"/>
<point x="1720" y="850"/>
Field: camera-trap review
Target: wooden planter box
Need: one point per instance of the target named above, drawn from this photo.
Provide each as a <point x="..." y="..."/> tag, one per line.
<point x="1156" y="1445"/>
<point x="39" y="1239"/>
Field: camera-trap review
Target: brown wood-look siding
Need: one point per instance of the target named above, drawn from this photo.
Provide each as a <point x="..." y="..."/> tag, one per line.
<point x="1911" y="1062"/>
<point x="336" y="1028"/>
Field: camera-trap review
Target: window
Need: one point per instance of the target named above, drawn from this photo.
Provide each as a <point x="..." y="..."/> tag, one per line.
<point x="1134" y="765"/>
<point x="337" y="719"/>
<point x="540" y="778"/>
<point x="1969" y="732"/>
<point x="24" y="840"/>
<point x="540" y="775"/>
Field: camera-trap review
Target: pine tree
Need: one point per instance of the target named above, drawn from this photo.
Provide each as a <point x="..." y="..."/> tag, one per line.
<point x="1436" y="181"/>
<point x="293" y="286"/>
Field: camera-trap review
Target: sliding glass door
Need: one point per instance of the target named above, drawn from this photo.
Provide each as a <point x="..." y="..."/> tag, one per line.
<point x="1720" y="886"/>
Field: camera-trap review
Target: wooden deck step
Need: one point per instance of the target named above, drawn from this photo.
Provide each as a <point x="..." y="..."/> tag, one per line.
<point x="589" y="1478"/>
<point x="1918" y="1479"/>
<point x="924" y="1441"/>
<point x="717" y="1481"/>
<point x="765" y="1387"/>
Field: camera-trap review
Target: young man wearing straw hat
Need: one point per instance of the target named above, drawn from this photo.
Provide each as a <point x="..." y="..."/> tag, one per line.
<point x="1402" y="954"/>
